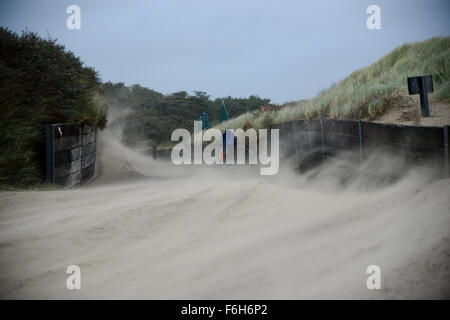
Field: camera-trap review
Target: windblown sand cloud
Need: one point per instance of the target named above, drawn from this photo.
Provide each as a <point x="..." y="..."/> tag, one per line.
<point x="147" y="229"/>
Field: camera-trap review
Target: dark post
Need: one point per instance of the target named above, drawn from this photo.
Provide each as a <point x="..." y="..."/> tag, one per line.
<point x="321" y="134"/>
<point x="49" y="154"/>
<point x="424" y="107"/>
<point x="155" y="151"/>
<point x="445" y="151"/>
<point x="421" y="85"/>
<point x="294" y="134"/>
<point x="360" y="143"/>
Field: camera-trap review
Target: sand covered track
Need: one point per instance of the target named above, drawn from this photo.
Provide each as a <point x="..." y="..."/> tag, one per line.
<point x="143" y="229"/>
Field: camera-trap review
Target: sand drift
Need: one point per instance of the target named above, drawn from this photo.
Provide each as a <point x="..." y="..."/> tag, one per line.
<point x="146" y="229"/>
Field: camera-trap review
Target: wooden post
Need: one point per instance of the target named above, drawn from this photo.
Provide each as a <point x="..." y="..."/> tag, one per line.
<point x="321" y="134"/>
<point x="445" y="152"/>
<point x="297" y="159"/>
<point x="361" y="159"/>
<point x="49" y="154"/>
<point x="155" y="151"/>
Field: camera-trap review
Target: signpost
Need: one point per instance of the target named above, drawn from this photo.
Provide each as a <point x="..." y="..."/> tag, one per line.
<point x="421" y="85"/>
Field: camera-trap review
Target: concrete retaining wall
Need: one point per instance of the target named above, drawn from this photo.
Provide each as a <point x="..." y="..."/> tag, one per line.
<point x="311" y="142"/>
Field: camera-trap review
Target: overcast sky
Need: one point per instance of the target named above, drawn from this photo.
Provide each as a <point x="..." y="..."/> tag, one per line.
<point x="280" y="49"/>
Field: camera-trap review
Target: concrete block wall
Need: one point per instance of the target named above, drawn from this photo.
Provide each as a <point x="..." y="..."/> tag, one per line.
<point x="311" y="142"/>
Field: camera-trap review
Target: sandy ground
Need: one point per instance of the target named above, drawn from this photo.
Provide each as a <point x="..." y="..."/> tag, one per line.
<point x="405" y="110"/>
<point x="144" y="229"/>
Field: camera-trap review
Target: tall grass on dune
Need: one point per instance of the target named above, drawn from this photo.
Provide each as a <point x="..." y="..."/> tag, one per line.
<point x="367" y="92"/>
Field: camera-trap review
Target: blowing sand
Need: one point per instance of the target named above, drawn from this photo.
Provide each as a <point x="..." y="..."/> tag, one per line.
<point x="144" y="229"/>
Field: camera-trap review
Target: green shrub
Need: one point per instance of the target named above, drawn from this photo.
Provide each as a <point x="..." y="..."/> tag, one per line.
<point x="40" y="83"/>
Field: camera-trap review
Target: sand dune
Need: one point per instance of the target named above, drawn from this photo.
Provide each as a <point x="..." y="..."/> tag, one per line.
<point x="144" y="229"/>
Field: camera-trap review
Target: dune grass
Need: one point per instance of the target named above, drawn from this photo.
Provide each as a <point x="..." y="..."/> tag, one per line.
<point x="367" y="92"/>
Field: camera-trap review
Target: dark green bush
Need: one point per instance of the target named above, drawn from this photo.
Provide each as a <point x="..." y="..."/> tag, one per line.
<point x="40" y="83"/>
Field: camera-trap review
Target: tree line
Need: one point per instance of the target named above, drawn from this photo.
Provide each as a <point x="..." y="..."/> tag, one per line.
<point x="148" y="115"/>
<point x="41" y="83"/>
